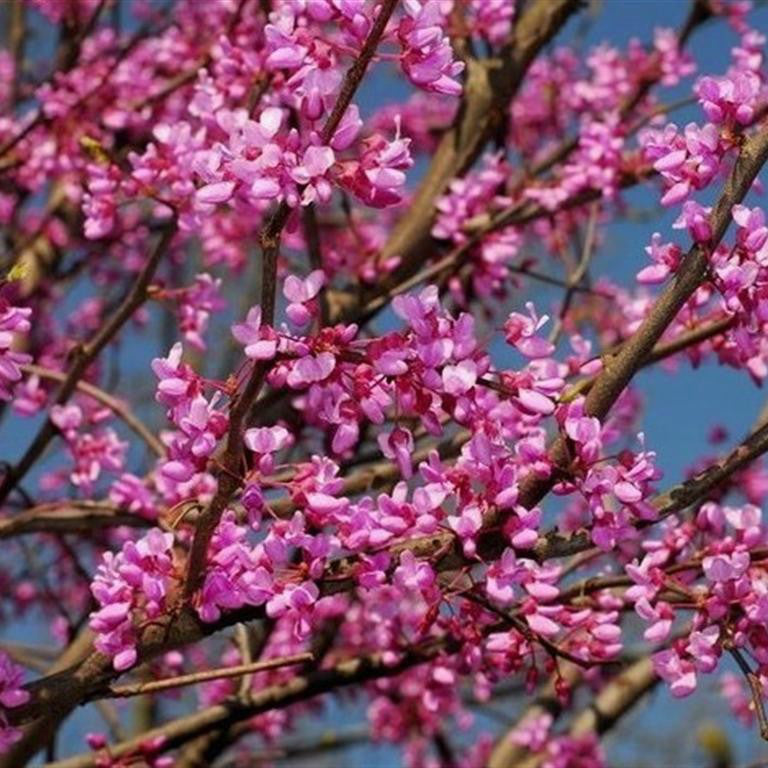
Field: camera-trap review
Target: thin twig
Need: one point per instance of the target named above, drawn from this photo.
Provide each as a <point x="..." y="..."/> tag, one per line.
<point x="755" y="687"/>
<point x="114" y="404"/>
<point x="578" y="274"/>
<point x="661" y="351"/>
<point x="354" y="75"/>
<point x="533" y="637"/>
<point x="219" y="673"/>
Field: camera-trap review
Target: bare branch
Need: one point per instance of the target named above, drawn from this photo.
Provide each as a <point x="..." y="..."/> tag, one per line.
<point x="69" y="517"/>
<point x="219" y="673"/>
<point x="115" y="405"/>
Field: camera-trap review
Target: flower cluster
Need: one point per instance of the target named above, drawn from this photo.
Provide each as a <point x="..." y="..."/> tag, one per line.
<point x="427" y="57"/>
<point x="132" y="587"/>
<point x="93" y="452"/>
<point x="469" y="199"/>
<point x="196" y="304"/>
<point x="725" y="584"/>
<point x="14" y="321"/>
<point x="534" y="734"/>
<point x="11" y="695"/>
<point x="184" y="472"/>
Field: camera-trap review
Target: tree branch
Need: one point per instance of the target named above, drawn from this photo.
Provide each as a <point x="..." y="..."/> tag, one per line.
<point x="619" y="370"/>
<point x="228" y="477"/>
<point x="301" y="688"/>
<point x="116" y="406"/>
<point x="488" y="90"/>
<point x="220" y="673"/>
<point x="69" y="517"/>
<point x="85" y="354"/>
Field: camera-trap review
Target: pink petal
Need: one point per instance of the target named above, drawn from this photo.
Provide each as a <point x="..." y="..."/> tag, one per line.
<point x="542" y="625"/>
<point x="211" y="194"/>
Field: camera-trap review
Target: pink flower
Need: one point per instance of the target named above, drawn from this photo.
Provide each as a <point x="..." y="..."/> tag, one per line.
<point x="348" y="129"/>
<point x="196" y="304"/>
<point x="467" y="525"/>
<point x="67" y="418"/>
<point x="300" y="294"/>
<point x="521" y="331"/>
<point x="542" y="625"/>
<point x="725" y="567"/>
<point x="178" y="383"/>
<point x="377" y="178"/>
<point x="100" y="202"/>
<point x="295" y="601"/>
<point x="417" y="310"/>
<point x="660" y="618"/>
<point x="753" y="232"/>
<point x="285" y="52"/>
<point x="260" y="341"/>
<point x="14" y="323"/>
<point x="686" y="161"/>
<point x="502" y="578"/>
<point x="460" y="378"/>
<point x="311" y="369"/>
<point x="585" y="431"/>
<point x="677" y="672"/>
<point x="11" y="695"/>
<point x="133" y="584"/>
<point x="264" y="442"/>
<point x="266" y="439"/>
<point x="218" y="192"/>
<point x="130" y="492"/>
<point x="492" y="18"/>
<point x="703" y="648"/>
<point x="413" y="575"/>
<point x="398" y="445"/>
<point x="427" y="54"/>
<point x="666" y="258"/>
<point x="533" y="731"/>
<point x="310" y="174"/>
<point x="696" y="218"/>
<point x="730" y="99"/>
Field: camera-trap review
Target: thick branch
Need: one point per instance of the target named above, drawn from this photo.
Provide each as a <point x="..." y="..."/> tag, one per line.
<point x="619" y="370"/>
<point x="301" y="688"/>
<point x="488" y="91"/>
<point x="69" y="517"/>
